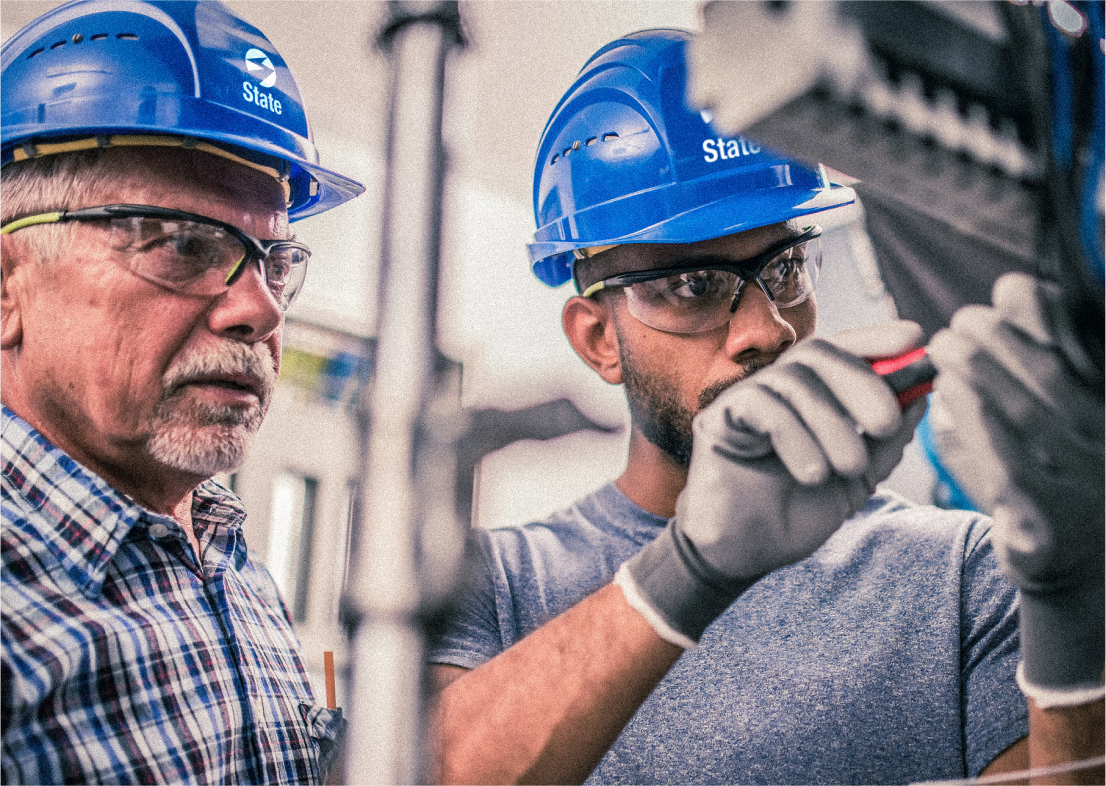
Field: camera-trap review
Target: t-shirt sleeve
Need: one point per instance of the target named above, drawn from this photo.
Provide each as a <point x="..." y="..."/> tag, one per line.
<point x="995" y="711"/>
<point x="468" y="634"/>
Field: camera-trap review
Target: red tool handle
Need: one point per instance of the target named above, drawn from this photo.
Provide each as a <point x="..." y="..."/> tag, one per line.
<point x="910" y="375"/>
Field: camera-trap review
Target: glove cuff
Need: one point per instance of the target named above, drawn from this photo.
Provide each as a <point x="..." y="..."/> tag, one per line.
<point x="1047" y="698"/>
<point x="1062" y="639"/>
<point x="681" y="593"/>
<point x="638" y="603"/>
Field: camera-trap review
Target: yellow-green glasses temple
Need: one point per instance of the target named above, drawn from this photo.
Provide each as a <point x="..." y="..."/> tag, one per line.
<point x="53" y="218"/>
<point x="43" y="218"/>
<point x="594" y="288"/>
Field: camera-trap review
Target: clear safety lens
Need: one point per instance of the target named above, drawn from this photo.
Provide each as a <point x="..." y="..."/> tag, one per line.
<point x="791" y="276"/>
<point x="285" y="270"/>
<point x="198" y="259"/>
<point x="699" y="300"/>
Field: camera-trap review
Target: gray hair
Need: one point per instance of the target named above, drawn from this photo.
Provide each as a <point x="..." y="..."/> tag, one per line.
<point x="44" y="185"/>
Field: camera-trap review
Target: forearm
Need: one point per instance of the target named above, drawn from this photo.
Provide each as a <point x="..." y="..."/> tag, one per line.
<point x="547" y="709"/>
<point x="1061" y="735"/>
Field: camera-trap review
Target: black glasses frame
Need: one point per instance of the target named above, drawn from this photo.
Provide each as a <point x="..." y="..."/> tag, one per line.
<point x="256" y="249"/>
<point x="746" y="269"/>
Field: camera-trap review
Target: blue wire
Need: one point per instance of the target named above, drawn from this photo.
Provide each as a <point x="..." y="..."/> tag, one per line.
<point x="947" y="491"/>
<point x="1061" y="94"/>
<point x="1090" y="221"/>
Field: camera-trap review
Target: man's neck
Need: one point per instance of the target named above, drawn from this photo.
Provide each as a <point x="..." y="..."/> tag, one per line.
<point x="183" y="514"/>
<point x="652" y="480"/>
<point x="125" y="466"/>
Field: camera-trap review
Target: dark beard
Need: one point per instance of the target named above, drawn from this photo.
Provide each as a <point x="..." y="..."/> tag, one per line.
<point x="659" y="414"/>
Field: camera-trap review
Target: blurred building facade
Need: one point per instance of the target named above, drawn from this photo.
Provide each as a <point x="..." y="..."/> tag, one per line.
<point x="299" y="482"/>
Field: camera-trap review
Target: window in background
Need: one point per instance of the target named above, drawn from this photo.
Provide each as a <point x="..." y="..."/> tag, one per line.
<point x="291" y="536"/>
<point x="347" y="534"/>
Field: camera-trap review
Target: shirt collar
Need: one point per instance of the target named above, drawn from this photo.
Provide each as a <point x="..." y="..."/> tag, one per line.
<point x="214" y="506"/>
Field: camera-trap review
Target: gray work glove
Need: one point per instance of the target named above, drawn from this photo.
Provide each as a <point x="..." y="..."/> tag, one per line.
<point x="780" y="461"/>
<point x="1018" y="420"/>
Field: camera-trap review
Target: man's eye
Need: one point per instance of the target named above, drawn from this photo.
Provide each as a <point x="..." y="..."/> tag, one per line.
<point x="696" y="285"/>
<point x="180" y="256"/>
<point x="277" y="268"/>
<point x="788" y="280"/>
<point x="196" y="250"/>
<point x="783" y="269"/>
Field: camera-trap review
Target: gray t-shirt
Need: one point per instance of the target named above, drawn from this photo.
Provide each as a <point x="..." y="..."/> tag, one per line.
<point x="887" y="656"/>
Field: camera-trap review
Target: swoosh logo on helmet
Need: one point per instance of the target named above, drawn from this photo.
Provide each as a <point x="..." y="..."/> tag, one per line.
<point x="256" y="60"/>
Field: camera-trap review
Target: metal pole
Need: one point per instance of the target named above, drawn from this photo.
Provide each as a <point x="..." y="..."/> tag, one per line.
<point x="386" y="595"/>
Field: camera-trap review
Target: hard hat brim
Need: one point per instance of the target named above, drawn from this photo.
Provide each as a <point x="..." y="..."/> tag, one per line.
<point x="552" y="257"/>
<point x="188" y="117"/>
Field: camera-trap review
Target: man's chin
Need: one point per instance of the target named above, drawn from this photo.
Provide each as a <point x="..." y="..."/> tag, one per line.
<point x="202" y="450"/>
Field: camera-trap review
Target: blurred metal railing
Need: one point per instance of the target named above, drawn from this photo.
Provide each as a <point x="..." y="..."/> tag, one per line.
<point x="402" y="502"/>
<point x="419" y="448"/>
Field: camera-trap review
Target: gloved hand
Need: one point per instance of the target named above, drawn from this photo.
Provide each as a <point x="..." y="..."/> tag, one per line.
<point x="780" y="461"/>
<point x="1018" y="419"/>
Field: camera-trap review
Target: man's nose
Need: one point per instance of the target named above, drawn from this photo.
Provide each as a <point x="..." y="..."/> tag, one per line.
<point x="757" y="327"/>
<point x="247" y="311"/>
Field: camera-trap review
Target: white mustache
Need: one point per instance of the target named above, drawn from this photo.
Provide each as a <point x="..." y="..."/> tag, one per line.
<point x="228" y="359"/>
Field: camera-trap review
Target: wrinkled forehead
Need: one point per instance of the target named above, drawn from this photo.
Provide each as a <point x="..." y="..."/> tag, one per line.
<point x="196" y="182"/>
<point x="635" y="257"/>
<point x="197" y="171"/>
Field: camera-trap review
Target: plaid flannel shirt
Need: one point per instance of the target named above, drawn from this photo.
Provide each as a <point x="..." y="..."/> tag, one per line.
<point x="125" y="661"/>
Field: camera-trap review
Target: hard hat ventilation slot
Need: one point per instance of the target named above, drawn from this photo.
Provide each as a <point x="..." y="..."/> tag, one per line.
<point x="79" y="37"/>
<point x="607" y="137"/>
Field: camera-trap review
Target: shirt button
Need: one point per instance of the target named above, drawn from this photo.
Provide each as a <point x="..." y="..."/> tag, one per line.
<point x="158" y="531"/>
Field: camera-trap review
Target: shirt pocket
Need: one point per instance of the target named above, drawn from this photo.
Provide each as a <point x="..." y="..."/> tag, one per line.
<point x="328" y="728"/>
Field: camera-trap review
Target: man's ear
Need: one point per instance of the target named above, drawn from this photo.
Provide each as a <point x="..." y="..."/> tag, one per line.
<point x="12" y="254"/>
<point x="589" y="325"/>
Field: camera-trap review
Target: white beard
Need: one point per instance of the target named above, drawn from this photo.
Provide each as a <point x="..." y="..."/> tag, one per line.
<point x="202" y="438"/>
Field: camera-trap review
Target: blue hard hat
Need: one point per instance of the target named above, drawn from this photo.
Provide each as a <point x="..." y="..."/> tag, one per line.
<point x="624" y="160"/>
<point x="177" y="72"/>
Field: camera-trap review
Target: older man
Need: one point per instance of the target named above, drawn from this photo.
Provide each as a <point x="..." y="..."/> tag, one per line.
<point x="147" y="266"/>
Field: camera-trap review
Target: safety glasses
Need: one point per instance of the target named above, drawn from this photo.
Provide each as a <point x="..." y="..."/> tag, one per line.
<point x="704" y="293"/>
<point x="186" y="252"/>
